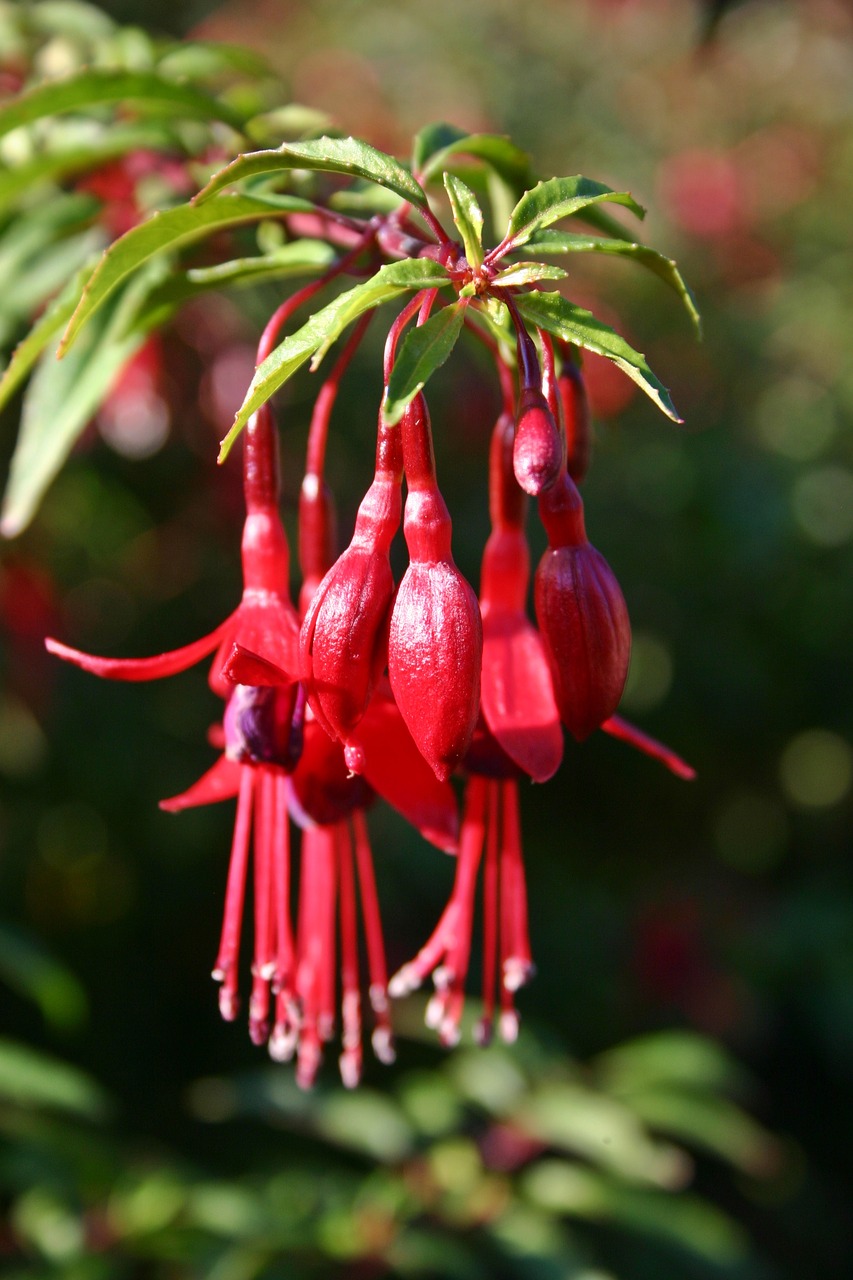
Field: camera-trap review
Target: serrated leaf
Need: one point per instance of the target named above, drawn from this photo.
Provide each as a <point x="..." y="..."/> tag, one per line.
<point x="94" y="86"/>
<point x="329" y="155"/>
<point x="167" y="229"/>
<point x="424" y="350"/>
<point x="553" y="312"/>
<point x="528" y="273"/>
<point x="468" y="217"/>
<point x="499" y="152"/>
<point x="559" y="198"/>
<point x="59" y="402"/>
<point x="664" y="268"/>
<point x="320" y="331"/>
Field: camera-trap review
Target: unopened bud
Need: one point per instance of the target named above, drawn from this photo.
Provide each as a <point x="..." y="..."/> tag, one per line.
<point x="538" y="450"/>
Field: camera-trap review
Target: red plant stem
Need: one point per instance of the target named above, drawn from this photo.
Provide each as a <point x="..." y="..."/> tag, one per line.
<point x="528" y="358"/>
<point x="316" y="506"/>
<point x="505" y="374"/>
<point x="507" y="500"/>
<point x="412" y="306"/>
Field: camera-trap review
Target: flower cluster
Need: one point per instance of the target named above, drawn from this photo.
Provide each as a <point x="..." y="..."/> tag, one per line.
<point x="376" y="688"/>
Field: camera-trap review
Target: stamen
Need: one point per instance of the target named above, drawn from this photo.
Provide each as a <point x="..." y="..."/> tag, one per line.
<point x="350" y="1060"/>
<point x="263" y="967"/>
<point x="377" y="968"/>
<point x="225" y="969"/>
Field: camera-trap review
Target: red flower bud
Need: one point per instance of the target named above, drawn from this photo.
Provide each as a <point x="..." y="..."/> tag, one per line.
<point x="582" y="615"/>
<point x="538" y="451"/>
<point x="343" y="643"/>
<point x="436" y="640"/>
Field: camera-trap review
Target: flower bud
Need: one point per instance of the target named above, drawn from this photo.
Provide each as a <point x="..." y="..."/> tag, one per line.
<point x="343" y="643"/>
<point x="436" y="640"/>
<point x="538" y="450"/>
<point x="583" y="620"/>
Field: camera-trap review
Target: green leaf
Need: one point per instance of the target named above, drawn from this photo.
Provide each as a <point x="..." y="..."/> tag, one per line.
<point x="425" y="349"/>
<point x="664" y="268"/>
<point x="302" y="257"/>
<point x="16" y="181"/>
<point x="503" y="156"/>
<point x="553" y="312"/>
<point x="60" y="400"/>
<point x="714" y="1124"/>
<point x="528" y="273"/>
<point x="559" y="198"/>
<point x="93" y="86"/>
<point x="167" y="229"/>
<point x="330" y="155"/>
<point x="30" y="970"/>
<point x="431" y="139"/>
<point x="32" y="1079"/>
<point x="468" y="217"/>
<point x="320" y="331"/>
<point x="55" y="316"/>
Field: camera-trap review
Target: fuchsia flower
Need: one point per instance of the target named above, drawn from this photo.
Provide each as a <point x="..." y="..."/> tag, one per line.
<point x="277" y="762"/>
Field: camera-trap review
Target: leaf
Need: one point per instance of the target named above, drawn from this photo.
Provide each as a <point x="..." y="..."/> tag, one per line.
<point x="16" y="181"/>
<point x="501" y="154"/>
<point x="320" y="331"/>
<point x="30" y="970"/>
<point x="714" y="1124"/>
<point x="664" y="268"/>
<point x="59" y="402"/>
<point x="299" y="258"/>
<point x="433" y="138"/>
<point x="468" y="217"/>
<point x="93" y="86"/>
<point x="424" y="350"/>
<point x="528" y="273"/>
<point x="52" y="319"/>
<point x="330" y="155"/>
<point x="558" y="198"/>
<point x="167" y="229"/>
<point x="553" y="312"/>
<point x="32" y="1079"/>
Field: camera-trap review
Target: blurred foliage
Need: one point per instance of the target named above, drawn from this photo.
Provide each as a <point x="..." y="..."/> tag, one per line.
<point x="724" y="907"/>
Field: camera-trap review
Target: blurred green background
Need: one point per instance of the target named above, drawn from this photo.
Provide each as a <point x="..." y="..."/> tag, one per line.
<point x="701" y="923"/>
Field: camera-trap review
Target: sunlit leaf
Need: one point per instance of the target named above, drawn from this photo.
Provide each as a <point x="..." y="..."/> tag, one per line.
<point x="54" y="318"/>
<point x="713" y="1124"/>
<point x="678" y="1058"/>
<point x="468" y="217"/>
<point x="440" y="149"/>
<point x="93" y="86"/>
<point x="559" y="198"/>
<point x="167" y="229"/>
<point x="330" y="155"/>
<point x="554" y="313"/>
<point x="16" y="181"/>
<point x="528" y="273"/>
<point x="321" y="330"/>
<point x="665" y="268"/>
<point x="59" y="402"/>
<point x="424" y="350"/>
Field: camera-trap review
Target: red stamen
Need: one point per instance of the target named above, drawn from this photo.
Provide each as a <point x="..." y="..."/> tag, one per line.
<point x="225" y="969"/>
<point x="351" y="1058"/>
